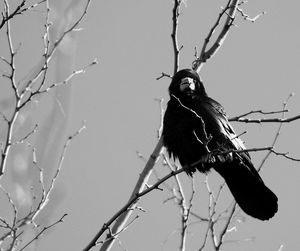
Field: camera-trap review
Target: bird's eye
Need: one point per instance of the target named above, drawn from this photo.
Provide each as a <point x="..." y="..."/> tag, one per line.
<point x="184" y="86"/>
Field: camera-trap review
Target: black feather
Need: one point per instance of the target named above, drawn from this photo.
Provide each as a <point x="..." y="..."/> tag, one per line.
<point x="195" y="125"/>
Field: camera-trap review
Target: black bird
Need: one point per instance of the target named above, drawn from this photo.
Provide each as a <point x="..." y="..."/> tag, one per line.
<point x="196" y="128"/>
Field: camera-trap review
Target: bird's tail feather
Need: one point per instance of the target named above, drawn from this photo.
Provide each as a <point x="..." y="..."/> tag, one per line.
<point x="248" y="189"/>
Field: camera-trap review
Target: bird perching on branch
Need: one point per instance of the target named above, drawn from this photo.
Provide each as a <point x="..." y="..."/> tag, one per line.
<point x="197" y="132"/>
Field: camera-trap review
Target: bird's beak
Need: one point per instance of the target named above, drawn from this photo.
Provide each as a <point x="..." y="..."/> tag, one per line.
<point x="187" y="84"/>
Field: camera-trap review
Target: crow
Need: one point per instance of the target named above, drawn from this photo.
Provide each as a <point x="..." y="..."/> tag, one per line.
<point x="196" y="131"/>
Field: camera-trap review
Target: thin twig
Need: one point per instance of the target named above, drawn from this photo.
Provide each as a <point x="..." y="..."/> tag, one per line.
<point x="277" y="133"/>
<point x="20" y="94"/>
<point x="247" y="17"/>
<point x="43" y="230"/>
<point x="51" y="50"/>
<point x="259" y="112"/>
<point x="34" y="212"/>
<point x="163" y="75"/>
<point x="10" y="122"/>
<point x="234" y="207"/>
<point x="46" y="194"/>
<point x="126" y="209"/>
<point x="55" y="85"/>
<point x="124" y="213"/>
<point x="185" y="209"/>
<point x="24" y="138"/>
<point x="270" y="120"/>
<point x="286" y="155"/>
<point x="20" y="9"/>
<point x="224" y="229"/>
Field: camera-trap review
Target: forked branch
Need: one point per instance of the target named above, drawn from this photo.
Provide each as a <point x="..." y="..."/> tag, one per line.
<point x="206" y="54"/>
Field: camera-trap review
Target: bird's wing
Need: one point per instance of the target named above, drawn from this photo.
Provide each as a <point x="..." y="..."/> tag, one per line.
<point x="218" y="115"/>
<point x="227" y="137"/>
<point x="240" y="175"/>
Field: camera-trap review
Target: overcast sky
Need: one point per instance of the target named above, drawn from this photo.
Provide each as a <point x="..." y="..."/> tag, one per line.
<point x="256" y="68"/>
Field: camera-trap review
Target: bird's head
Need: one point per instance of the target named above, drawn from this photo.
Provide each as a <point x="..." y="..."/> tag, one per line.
<point x="186" y="83"/>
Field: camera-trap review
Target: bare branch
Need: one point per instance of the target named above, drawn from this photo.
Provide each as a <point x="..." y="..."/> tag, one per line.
<point x="20" y="9"/>
<point x="270" y="150"/>
<point x="184" y="205"/>
<point x="271" y="120"/>
<point x="225" y="228"/>
<point x="163" y="75"/>
<point x="205" y="236"/>
<point x="11" y="76"/>
<point x="247" y="17"/>
<point x="34" y="212"/>
<point x="41" y="66"/>
<point x="46" y="194"/>
<point x="257" y="111"/>
<point x="12" y="227"/>
<point x="242" y="117"/>
<point x="11" y="203"/>
<point x="115" y="236"/>
<point x="43" y="230"/>
<point x="20" y="94"/>
<point x="54" y="85"/>
<point x="46" y="40"/>
<point x="22" y="140"/>
<point x="175" y="19"/>
<point x="208" y="53"/>
<point x="142" y="181"/>
<point x="124" y="213"/>
<point x="286" y="155"/>
<point x="277" y="133"/>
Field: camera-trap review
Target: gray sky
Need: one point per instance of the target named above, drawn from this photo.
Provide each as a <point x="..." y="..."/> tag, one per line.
<point x="256" y="68"/>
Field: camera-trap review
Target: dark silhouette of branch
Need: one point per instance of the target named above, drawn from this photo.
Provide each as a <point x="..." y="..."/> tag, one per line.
<point x="264" y="120"/>
<point x="231" y="211"/>
<point x="285" y="155"/>
<point x="43" y="230"/>
<point x="126" y="210"/>
<point x="20" y="9"/>
<point x="163" y="75"/>
<point x="259" y="112"/>
<point x="243" y="117"/>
